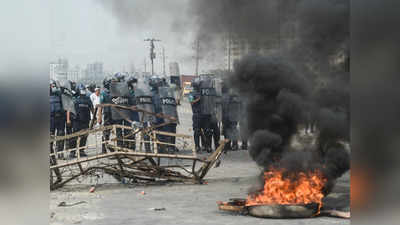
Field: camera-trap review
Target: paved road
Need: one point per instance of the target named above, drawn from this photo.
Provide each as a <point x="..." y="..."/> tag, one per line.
<point x="115" y="203"/>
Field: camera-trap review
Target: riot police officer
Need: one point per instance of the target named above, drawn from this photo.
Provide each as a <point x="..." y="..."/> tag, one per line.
<point x="57" y="117"/>
<point x="104" y="113"/>
<point x="144" y="101"/>
<point x="121" y="95"/>
<point x="57" y="125"/>
<point x="208" y="98"/>
<point x="230" y="118"/>
<point x="70" y="93"/>
<point x="168" y="107"/>
<point x="83" y="109"/>
<point x="134" y="115"/>
<point x="155" y="83"/>
<point x="194" y="99"/>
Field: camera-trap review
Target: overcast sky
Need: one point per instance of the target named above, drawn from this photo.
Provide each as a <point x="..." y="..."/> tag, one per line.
<point x="113" y="31"/>
<point x="36" y="32"/>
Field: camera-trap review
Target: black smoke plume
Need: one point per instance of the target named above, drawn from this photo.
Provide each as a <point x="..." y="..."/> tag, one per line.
<point x="305" y="76"/>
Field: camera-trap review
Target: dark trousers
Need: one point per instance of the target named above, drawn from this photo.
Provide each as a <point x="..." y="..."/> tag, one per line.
<point x="206" y="131"/>
<point x="216" y="134"/>
<point x="57" y="128"/>
<point x="170" y="128"/>
<point x="69" y="130"/>
<point x="196" y="129"/>
<point x="106" y="135"/>
<point x="231" y="132"/>
<point x="129" y="141"/>
<point x="78" y="126"/>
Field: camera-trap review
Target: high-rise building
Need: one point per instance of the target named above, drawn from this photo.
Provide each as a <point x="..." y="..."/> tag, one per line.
<point x="94" y="72"/>
<point x="58" y="67"/>
<point x="75" y="74"/>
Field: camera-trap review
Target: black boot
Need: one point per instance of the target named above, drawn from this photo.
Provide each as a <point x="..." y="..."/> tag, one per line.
<point x="235" y="146"/>
<point x="244" y="146"/>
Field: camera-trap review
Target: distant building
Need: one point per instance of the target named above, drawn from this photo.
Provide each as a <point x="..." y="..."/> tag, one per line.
<point x="93" y="73"/>
<point x="75" y="74"/>
<point x="61" y="76"/>
<point x="58" y="68"/>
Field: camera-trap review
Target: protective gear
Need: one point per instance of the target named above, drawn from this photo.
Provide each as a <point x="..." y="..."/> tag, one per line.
<point x="68" y="102"/>
<point x="144" y="100"/>
<point x="57" y="121"/>
<point x="120" y="95"/>
<point x="81" y="89"/>
<point x="55" y="89"/>
<point x="56" y="104"/>
<point x="196" y="109"/>
<point x="105" y="98"/>
<point x="91" y="88"/>
<point x="231" y="116"/>
<point x="123" y="96"/>
<point x="83" y="107"/>
<point x="168" y="103"/>
<point x="131" y="81"/>
<point x="155" y="82"/>
<point x="195" y="84"/>
<point x="119" y="77"/>
<point x="107" y="83"/>
<point x="218" y="100"/>
<point x="208" y="97"/>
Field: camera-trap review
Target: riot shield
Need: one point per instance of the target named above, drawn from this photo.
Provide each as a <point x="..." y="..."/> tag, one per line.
<point x="68" y="103"/>
<point x="218" y="99"/>
<point x="119" y="89"/>
<point x="168" y="102"/>
<point x="144" y="101"/>
<point x="120" y="95"/>
<point x="207" y="97"/>
<point x="65" y="84"/>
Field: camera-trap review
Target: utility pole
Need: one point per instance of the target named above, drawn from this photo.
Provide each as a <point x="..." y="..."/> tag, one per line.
<point x="152" y="53"/>
<point x="145" y="66"/>
<point x="197" y="56"/>
<point x="229" y="50"/>
<point x="163" y="55"/>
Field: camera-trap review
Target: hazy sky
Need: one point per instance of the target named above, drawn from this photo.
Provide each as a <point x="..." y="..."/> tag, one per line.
<point x="113" y="31"/>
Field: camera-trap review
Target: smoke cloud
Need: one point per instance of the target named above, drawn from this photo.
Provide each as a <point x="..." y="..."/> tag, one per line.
<point x="303" y="76"/>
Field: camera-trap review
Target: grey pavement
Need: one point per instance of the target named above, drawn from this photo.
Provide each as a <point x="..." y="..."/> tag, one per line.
<point x="115" y="203"/>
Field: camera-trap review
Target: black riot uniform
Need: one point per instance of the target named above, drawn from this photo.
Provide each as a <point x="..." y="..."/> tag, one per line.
<point x="230" y="118"/>
<point x="208" y="98"/>
<point x="105" y="98"/>
<point x="122" y="95"/>
<point x="57" y="125"/>
<point x="155" y="84"/>
<point x="168" y="107"/>
<point x="134" y="115"/>
<point x="144" y="101"/>
<point x="69" y="94"/>
<point x="194" y="99"/>
<point x="81" y="120"/>
<point x="57" y="118"/>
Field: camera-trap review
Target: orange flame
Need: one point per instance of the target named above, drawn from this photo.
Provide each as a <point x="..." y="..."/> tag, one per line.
<point x="304" y="188"/>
